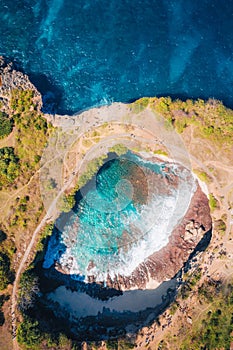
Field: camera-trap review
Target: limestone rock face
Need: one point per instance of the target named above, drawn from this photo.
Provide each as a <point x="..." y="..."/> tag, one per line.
<point x="165" y="263"/>
<point x="11" y="79"/>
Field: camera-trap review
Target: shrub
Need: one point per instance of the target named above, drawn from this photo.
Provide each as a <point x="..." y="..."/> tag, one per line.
<point x="212" y="202"/>
<point x="119" y="149"/>
<point x="202" y="176"/>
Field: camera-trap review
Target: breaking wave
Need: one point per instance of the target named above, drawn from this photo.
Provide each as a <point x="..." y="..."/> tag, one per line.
<point x="126" y="214"/>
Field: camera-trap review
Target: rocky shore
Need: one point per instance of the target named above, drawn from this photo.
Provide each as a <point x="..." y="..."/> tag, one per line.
<point x="12" y="79"/>
<point x="164" y="264"/>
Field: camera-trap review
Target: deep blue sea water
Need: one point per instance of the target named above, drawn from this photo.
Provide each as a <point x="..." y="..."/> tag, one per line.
<point x="96" y="51"/>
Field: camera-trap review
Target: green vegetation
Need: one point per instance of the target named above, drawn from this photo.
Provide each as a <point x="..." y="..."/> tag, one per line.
<point x="213" y="203"/>
<point x="21" y="101"/>
<point x="6" y="275"/>
<point x="213" y="327"/>
<point x="51" y="184"/>
<point x="139" y="105"/>
<point x="28" y="290"/>
<point x="20" y="200"/>
<point x="9" y="166"/>
<point x="161" y="152"/>
<point x="19" y="164"/>
<point x="214" y="330"/>
<point x="119" y="149"/>
<point x="66" y="202"/>
<point x="28" y="334"/>
<point x="119" y="344"/>
<point x="46" y="232"/>
<point x="214" y="120"/>
<point x="91" y="169"/>
<point x="220" y="226"/>
<point x="31" y="135"/>
<point x="3" y="298"/>
<point x="180" y="125"/>
<point x="173" y="308"/>
<point x="190" y="281"/>
<point x="6" y="124"/>
<point x="202" y="176"/>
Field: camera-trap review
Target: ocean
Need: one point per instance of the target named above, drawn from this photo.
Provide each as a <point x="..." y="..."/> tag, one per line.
<point x="82" y="54"/>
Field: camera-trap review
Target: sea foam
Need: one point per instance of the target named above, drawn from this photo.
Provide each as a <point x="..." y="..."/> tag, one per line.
<point x="101" y="243"/>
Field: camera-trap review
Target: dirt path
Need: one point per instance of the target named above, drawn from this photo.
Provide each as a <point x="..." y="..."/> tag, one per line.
<point x="221" y="193"/>
<point x="50" y="216"/>
<point x="17" y="277"/>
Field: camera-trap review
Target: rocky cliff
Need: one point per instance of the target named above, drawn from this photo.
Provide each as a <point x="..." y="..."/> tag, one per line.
<point x="164" y="264"/>
<point x="12" y="79"/>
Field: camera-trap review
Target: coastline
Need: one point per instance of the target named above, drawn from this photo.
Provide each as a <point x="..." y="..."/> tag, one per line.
<point x="202" y="184"/>
<point x="218" y="188"/>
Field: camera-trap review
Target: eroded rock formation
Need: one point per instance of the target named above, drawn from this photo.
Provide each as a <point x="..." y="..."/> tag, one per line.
<point x="165" y="263"/>
<point x="12" y="79"/>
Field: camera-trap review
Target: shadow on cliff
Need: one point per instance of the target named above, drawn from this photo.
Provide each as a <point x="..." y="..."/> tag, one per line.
<point x="112" y="320"/>
<point x="51" y="93"/>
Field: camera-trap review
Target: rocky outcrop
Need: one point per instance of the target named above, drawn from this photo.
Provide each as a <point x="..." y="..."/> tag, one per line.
<point x="11" y="79"/>
<point x="165" y="263"/>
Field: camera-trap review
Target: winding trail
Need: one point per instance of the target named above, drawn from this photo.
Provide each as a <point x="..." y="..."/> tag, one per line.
<point x="17" y="276"/>
<point x="52" y="214"/>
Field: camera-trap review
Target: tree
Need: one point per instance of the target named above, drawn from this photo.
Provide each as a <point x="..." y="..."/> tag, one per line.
<point x="66" y="203"/>
<point x="29" y="289"/>
<point x="9" y="165"/>
<point x="3" y="236"/>
<point x="29" y="334"/>
<point x="6" y="124"/>
<point x="5" y="272"/>
<point x="3" y="298"/>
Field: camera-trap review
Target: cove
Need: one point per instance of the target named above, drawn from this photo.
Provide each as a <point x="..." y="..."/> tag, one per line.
<point x="123" y="215"/>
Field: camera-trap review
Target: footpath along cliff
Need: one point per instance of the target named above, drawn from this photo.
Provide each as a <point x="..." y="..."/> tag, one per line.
<point x="161" y="265"/>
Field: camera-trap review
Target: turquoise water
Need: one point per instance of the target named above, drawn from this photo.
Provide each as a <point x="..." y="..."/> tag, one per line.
<point x="85" y="53"/>
<point x="121" y="217"/>
<point x="103" y="219"/>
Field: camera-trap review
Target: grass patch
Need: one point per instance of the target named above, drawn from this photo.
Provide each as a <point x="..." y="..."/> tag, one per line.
<point x="141" y="104"/>
<point x="202" y="176"/>
<point x="161" y="152"/>
<point x="213" y="203"/>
